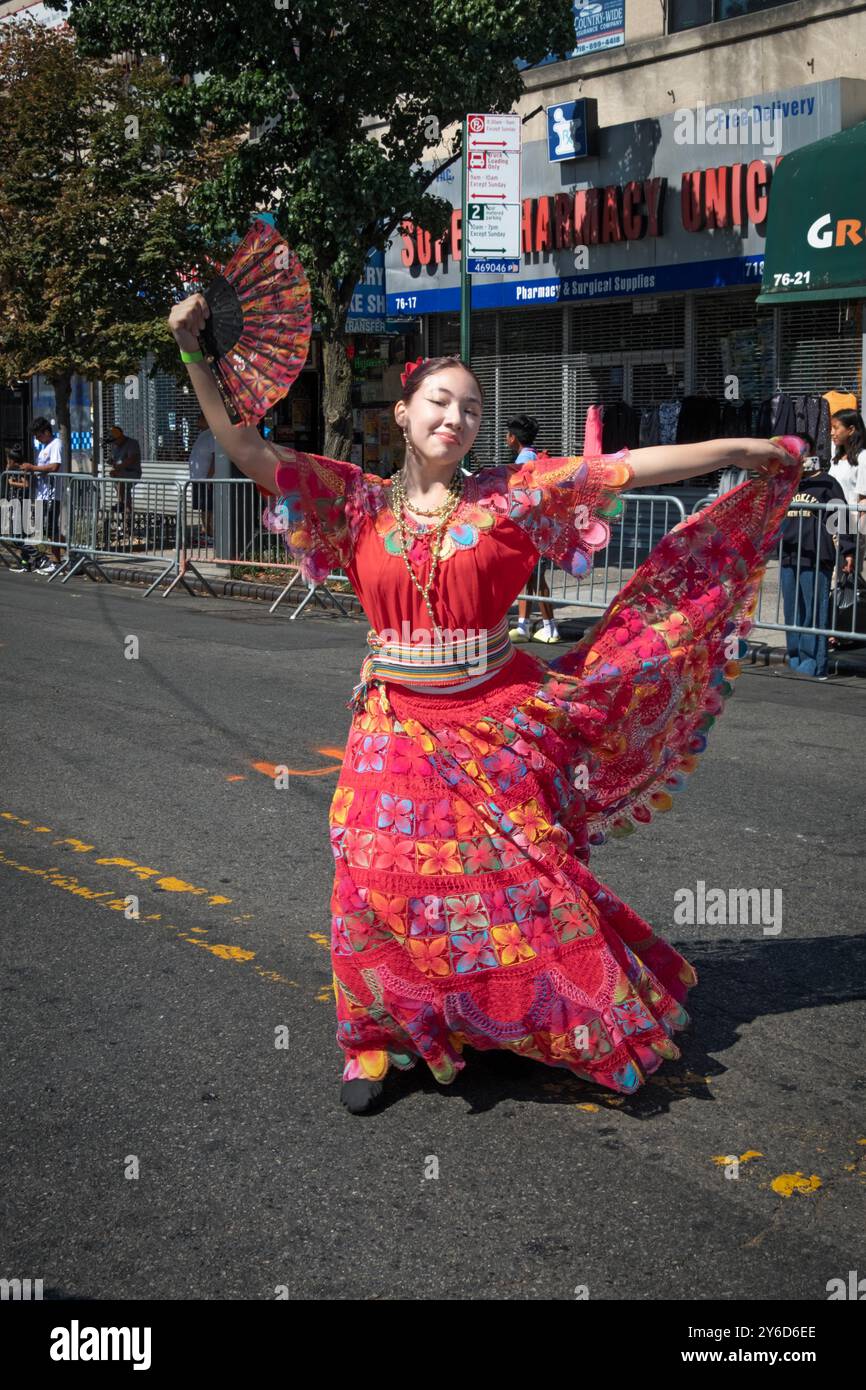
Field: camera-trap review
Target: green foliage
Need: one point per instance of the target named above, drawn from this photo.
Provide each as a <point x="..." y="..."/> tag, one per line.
<point x="94" y="208"/>
<point x="325" y="77"/>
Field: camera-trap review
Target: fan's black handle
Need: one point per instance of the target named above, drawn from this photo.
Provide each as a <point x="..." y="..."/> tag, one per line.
<point x="225" y="323"/>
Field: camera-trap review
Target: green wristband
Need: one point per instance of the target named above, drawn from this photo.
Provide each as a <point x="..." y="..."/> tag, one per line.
<point x="191" y="356"/>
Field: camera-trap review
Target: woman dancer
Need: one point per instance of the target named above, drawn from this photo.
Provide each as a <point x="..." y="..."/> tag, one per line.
<point x="477" y="777"/>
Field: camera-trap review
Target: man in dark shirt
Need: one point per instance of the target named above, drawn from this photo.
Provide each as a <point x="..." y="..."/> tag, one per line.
<point x="126" y="468"/>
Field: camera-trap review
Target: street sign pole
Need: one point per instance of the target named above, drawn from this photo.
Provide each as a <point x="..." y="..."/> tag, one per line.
<point x="465" y="278"/>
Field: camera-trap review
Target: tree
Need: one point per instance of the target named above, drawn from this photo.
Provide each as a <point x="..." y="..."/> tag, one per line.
<point x="93" y="212"/>
<point x="343" y="100"/>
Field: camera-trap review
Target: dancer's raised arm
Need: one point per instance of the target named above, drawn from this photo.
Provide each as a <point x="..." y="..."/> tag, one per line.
<point x="669" y="463"/>
<point x="243" y="443"/>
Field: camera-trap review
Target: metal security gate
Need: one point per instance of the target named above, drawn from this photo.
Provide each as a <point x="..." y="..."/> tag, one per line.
<point x="733" y="346"/>
<point x="555" y="362"/>
<point x="820" y="347"/>
<point x="160" y="411"/>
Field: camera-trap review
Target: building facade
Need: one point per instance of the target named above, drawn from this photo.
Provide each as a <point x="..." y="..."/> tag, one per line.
<point x="640" y="263"/>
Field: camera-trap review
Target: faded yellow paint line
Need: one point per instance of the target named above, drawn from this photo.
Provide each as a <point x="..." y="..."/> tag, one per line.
<point x="70" y="884"/>
<point x="788" y="1183"/>
<point x="319" y="939"/>
<point x="590" y="1109"/>
<point x="747" y="1157"/>
<point x="275" y="976"/>
<point x="122" y="863"/>
<point x="218" y="949"/>
<point x="167" y="882"/>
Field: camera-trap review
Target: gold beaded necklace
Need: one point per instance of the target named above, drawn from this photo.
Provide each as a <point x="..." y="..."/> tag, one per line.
<point x="398" y="506"/>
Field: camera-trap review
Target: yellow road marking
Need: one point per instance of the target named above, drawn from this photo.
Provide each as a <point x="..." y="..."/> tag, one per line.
<point x="788" y="1183"/>
<point x="167" y="882"/>
<point x="70" y="884"/>
<point x="747" y="1157"/>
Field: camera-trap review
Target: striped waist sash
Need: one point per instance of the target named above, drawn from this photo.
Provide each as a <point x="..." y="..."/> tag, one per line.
<point x="435" y="666"/>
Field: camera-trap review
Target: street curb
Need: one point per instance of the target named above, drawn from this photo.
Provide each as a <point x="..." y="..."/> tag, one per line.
<point x="231" y="588"/>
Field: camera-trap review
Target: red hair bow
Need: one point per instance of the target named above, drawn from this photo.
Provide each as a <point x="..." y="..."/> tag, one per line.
<point x="409" y="369"/>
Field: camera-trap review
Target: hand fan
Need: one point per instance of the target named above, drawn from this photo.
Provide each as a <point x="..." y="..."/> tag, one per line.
<point x="258" y="333"/>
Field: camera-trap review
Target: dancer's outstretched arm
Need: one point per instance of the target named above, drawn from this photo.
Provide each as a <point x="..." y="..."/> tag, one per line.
<point x="243" y="443"/>
<point x="669" y="463"/>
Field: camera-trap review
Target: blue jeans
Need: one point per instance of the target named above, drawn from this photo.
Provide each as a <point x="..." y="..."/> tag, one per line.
<point x="807" y="653"/>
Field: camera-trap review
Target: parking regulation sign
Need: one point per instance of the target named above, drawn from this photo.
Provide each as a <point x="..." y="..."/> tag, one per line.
<point x="492" y="230"/>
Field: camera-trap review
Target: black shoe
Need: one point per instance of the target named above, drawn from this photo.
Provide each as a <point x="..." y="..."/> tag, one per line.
<point x="360" y="1096"/>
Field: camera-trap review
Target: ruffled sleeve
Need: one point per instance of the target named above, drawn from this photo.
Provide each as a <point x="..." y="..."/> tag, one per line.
<point x="565" y="504"/>
<point x="317" y="510"/>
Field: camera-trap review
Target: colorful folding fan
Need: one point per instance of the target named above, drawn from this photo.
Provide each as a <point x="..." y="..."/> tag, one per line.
<point x="258" y="333"/>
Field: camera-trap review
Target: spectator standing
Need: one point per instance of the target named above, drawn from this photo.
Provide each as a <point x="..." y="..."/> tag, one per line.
<point x="808" y="559"/>
<point x="848" y="434"/>
<point x="521" y="432"/>
<point x="19" y="488"/>
<point x="49" y="490"/>
<point x="202" y="467"/>
<point x="126" y="469"/>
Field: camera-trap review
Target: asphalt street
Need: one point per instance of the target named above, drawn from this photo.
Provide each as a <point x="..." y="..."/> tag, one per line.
<point x="156" y="1140"/>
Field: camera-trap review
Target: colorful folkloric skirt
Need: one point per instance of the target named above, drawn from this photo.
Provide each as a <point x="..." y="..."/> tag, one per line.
<point x="463" y="908"/>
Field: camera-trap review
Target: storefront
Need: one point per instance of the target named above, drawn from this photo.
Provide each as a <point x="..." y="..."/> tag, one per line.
<point x="380" y="348"/>
<point x="639" y="276"/>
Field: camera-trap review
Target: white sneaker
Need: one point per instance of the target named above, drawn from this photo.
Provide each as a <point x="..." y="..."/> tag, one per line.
<point x="46" y="569"/>
<point x="519" y="633"/>
<point x="546" y="633"/>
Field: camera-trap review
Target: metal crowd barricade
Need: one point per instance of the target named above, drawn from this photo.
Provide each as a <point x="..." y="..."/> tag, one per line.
<point x="28" y="521"/>
<point x="645" y="518"/>
<point x="123" y="519"/>
<point x="842" y="620"/>
<point x="238" y="538"/>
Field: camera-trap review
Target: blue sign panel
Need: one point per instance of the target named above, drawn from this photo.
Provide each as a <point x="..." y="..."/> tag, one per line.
<point x="567" y="131"/>
<point x="367" y="311"/>
<point x="492" y="265"/>
<point x="598" y="24"/>
<point x="653" y="279"/>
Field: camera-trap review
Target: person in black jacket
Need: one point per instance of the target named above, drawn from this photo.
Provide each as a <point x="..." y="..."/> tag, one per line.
<point x="809" y="557"/>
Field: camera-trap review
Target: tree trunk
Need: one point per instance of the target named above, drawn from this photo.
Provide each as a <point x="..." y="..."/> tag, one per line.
<point x="337" y="394"/>
<point x="62" y="384"/>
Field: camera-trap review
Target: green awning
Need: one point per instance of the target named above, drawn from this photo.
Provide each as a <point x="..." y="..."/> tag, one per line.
<point x="816" y="225"/>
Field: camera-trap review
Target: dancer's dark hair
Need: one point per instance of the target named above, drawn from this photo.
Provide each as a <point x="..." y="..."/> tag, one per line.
<point x="429" y="367"/>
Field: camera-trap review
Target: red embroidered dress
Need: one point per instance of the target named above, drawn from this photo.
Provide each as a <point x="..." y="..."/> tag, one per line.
<point x="463" y="910"/>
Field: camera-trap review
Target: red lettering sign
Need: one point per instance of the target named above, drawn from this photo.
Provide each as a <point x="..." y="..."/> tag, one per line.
<point x="611" y="226"/>
<point x="633" y="220"/>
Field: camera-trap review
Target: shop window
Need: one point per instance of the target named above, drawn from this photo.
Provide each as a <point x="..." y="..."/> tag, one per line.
<point x="689" y="14"/>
